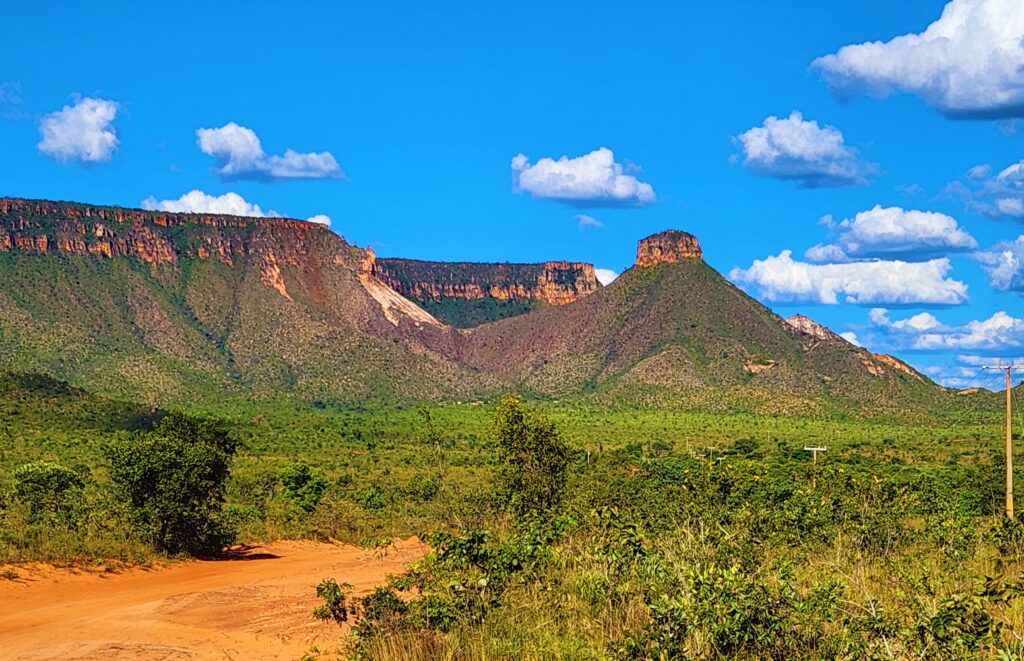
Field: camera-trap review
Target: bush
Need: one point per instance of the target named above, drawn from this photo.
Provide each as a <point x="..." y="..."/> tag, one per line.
<point x="174" y="481"/>
<point x="335" y="607"/>
<point x="50" y="491"/>
<point x="303" y="485"/>
<point x="534" y="458"/>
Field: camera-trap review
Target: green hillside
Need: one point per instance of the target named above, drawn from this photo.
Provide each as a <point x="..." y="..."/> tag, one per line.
<point x="204" y="310"/>
<point x="681" y="335"/>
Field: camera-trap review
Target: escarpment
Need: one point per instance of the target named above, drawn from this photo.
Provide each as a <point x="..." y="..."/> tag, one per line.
<point x="153" y="237"/>
<point x="171" y="307"/>
<point x="466" y="294"/>
<point x="667" y="248"/>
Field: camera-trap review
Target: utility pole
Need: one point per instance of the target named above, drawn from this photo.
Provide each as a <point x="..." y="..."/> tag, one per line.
<point x="1008" y="371"/>
<point x="814" y="453"/>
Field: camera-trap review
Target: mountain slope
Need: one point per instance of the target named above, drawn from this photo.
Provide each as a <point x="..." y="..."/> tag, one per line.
<point x="185" y="309"/>
<point x="674" y="331"/>
<point x="180" y="307"/>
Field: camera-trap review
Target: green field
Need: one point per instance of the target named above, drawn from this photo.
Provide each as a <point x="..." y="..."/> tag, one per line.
<point x="676" y="535"/>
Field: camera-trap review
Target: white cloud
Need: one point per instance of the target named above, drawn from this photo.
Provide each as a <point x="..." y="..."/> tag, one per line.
<point x="1004" y="263"/>
<point x="240" y="155"/>
<point x="605" y="276"/>
<point x="924" y="332"/>
<point x="983" y="361"/>
<point x="10" y="93"/>
<point x="826" y="253"/>
<point x="890" y="232"/>
<point x="1000" y="196"/>
<point x="979" y="171"/>
<point x="81" y="132"/>
<point x="586" y="221"/>
<point x="781" y="279"/>
<point x="197" y="201"/>
<point x="793" y="149"/>
<point x="920" y="322"/>
<point x="967" y="64"/>
<point x="999" y="332"/>
<point x="851" y="337"/>
<point x="320" y="219"/>
<point x="591" y="180"/>
<point x="232" y="204"/>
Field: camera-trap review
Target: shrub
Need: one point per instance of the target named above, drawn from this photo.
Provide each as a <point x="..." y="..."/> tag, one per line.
<point x="174" y="481"/>
<point x="534" y="458"/>
<point x="50" y="491"/>
<point x="335" y="606"/>
<point x="303" y="485"/>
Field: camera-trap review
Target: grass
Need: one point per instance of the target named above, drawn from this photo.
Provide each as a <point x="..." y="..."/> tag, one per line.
<point x="858" y="556"/>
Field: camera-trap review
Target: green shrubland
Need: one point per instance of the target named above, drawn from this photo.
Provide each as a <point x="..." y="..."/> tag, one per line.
<point x="557" y="531"/>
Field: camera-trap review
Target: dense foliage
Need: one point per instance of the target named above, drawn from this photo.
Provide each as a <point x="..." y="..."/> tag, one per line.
<point x="174" y="479"/>
<point x="646" y="534"/>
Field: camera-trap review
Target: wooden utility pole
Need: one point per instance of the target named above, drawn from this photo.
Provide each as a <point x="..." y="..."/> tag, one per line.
<point x="1008" y="371"/>
<point x="814" y="453"/>
<point x="1009" y="444"/>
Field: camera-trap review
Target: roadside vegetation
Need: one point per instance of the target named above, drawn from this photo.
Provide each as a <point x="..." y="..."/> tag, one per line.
<point x="557" y="532"/>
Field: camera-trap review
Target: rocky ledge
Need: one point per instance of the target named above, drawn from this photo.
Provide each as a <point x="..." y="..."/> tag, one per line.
<point x="554" y="283"/>
<point x="667" y="248"/>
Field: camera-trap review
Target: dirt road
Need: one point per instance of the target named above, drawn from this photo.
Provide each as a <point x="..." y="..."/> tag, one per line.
<point x="253" y="607"/>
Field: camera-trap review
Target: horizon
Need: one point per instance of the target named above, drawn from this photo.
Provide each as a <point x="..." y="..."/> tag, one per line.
<point x="818" y="179"/>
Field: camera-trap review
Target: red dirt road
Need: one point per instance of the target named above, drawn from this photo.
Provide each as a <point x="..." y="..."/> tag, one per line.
<point x="255" y="607"/>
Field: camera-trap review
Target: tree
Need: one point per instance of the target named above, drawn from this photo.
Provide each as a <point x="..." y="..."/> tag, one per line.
<point x="50" y="490"/>
<point x="174" y="480"/>
<point x="534" y="459"/>
<point x="303" y="485"/>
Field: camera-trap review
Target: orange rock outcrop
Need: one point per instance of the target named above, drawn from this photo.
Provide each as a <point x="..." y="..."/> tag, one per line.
<point x="667" y="248"/>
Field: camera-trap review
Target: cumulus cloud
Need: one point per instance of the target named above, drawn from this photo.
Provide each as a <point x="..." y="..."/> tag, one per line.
<point x="320" y="219"/>
<point x="591" y="180"/>
<point x="1004" y="263"/>
<point x="590" y="222"/>
<point x="605" y="276"/>
<point x="997" y="334"/>
<point x="782" y="279"/>
<point x="240" y="155"/>
<point x="795" y="149"/>
<point x="81" y="132"/>
<point x="1000" y="196"/>
<point x="920" y="322"/>
<point x="967" y="64"/>
<point x="851" y="337"/>
<point x="196" y="201"/>
<point x="232" y="204"/>
<point x="892" y="232"/>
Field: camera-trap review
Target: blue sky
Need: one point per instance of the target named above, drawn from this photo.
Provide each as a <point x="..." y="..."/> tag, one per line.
<point x="404" y="120"/>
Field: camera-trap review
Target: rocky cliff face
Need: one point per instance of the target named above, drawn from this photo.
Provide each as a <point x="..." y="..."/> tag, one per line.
<point x="667" y="248"/>
<point x="555" y="283"/>
<point x="874" y="363"/>
<point x="152" y="237"/>
<point x="808" y="326"/>
<point x="158" y="238"/>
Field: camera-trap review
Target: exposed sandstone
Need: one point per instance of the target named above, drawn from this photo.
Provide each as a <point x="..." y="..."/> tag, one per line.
<point x="667" y="248"/>
<point x="39" y="226"/>
<point x="808" y="326"/>
<point x="554" y="283"/>
<point x="58" y="228"/>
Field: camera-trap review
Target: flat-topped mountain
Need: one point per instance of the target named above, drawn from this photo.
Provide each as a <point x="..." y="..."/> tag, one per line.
<point x="667" y="248"/>
<point x="210" y="308"/>
<point x="467" y="294"/>
<point x="196" y="306"/>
